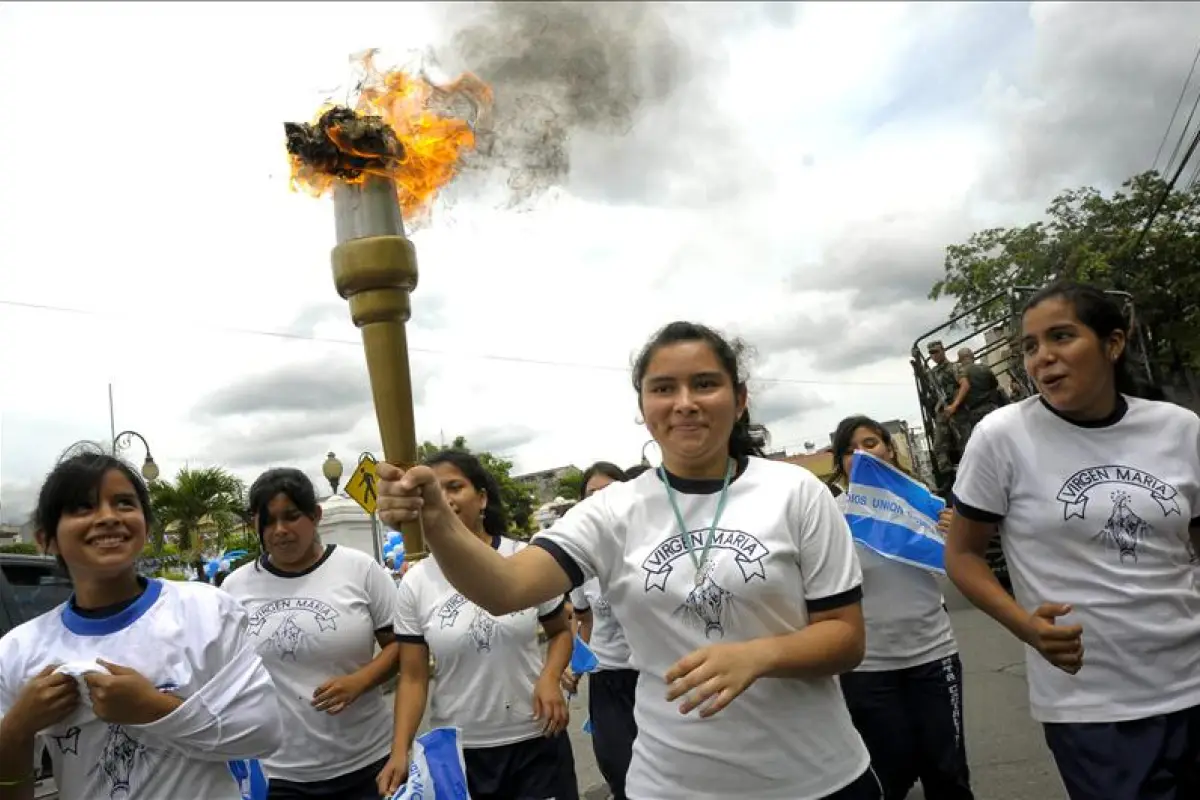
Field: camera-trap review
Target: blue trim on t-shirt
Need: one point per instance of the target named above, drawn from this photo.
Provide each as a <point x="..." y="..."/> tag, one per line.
<point x="103" y="626"/>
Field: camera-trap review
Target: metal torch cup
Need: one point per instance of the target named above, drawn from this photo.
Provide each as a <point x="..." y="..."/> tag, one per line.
<point x="375" y="269"/>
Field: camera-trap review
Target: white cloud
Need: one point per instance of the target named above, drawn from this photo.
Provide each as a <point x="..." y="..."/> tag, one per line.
<point x="796" y="183"/>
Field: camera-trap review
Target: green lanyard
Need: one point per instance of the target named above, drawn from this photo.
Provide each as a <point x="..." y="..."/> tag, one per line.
<point x="712" y="529"/>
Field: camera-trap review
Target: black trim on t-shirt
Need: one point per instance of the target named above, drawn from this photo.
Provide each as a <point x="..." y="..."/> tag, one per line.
<point x="386" y="629"/>
<point x="278" y="573"/>
<point x="1116" y="416"/>
<point x="105" y="612"/>
<point x="834" y="601"/>
<point x="584" y="610"/>
<point x="703" y="485"/>
<point x="568" y="564"/>
<point x="495" y="542"/>
<point x="972" y="513"/>
<point x="407" y="638"/>
<point x="557" y="610"/>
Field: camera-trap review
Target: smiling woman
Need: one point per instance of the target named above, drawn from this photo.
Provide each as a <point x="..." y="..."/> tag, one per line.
<point x="190" y="693"/>
<point x="734" y="578"/>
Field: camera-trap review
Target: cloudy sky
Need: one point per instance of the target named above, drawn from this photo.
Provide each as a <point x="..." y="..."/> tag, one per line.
<point x="787" y="172"/>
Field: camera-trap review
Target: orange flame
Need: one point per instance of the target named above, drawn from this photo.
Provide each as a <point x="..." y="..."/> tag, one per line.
<point x="434" y="141"/>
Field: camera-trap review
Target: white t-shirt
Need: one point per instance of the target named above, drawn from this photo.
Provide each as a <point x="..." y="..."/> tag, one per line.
<point x="1098" y="517"/>
<point x="486" y="667"/>
<point x="782" y="551"/>
<point x="310" y="628"/>
<point x="608" y="639"/>
<point x="903" y="609"/>
<point x="188" y="639"/>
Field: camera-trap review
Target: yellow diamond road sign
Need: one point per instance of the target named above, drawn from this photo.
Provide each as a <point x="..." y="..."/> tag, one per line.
<point x="361" y="486"/>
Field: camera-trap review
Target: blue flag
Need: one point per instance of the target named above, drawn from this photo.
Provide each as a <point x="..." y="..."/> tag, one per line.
<point x="436" y="769"/>
<point x="894" y="515"/>
<point x="250" y="779"/>
<point x="583" y="660"/>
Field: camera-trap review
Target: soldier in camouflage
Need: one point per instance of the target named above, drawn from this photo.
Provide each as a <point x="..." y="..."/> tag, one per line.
<point x="945" y="386"/>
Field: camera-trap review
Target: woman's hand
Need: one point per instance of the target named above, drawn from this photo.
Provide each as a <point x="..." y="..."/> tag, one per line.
<point x="392" y="776"/>
<point x="406" y="496"/>
<point x="126" y="697"/>
<point x="569" y="681"/>
<point x="1061" y="645"/>
<point x="333" y="696"/>
<point x="550" y="706"/>
<point x="945" y="517"/>
<point x="45" y="700"/>
<point x="715" y="675"/>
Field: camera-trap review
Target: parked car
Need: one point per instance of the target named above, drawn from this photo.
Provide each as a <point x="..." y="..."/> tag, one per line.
<point x="29" y="586"/>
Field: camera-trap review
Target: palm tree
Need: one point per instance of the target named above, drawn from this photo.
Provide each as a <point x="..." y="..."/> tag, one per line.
<point x="200" y="501"/>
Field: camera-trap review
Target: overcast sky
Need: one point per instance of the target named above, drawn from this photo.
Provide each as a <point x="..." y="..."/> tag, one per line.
<point x="789" y="173"/>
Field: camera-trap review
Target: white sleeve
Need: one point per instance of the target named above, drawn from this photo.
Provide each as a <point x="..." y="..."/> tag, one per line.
<point x="579" y="599"/>
<point x="583" y="541"/>
<point x="235" y="714"/>
<point x="408" y="612"/>
<point x="381" y="597"/>
<point x="551" y="607"/>
<point x="984" y="477"/>
<point x="828" y="562"/>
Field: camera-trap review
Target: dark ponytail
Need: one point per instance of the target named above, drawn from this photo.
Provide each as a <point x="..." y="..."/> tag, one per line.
<point x="746" y="438"/>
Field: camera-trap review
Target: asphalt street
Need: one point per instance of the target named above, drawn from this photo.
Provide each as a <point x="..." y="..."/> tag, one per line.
<point x="1009" y="759"/>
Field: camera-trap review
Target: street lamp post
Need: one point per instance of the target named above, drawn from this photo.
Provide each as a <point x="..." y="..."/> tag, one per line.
<point x="332" y="470"/>
<point x="120" y="442"/>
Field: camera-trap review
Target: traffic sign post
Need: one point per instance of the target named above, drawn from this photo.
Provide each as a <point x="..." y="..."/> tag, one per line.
<point x="361" y="489"/>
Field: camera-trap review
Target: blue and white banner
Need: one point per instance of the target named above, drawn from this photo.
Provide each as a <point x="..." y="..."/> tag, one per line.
<point x="436" y="768"/>
<point x="894" y="515"/>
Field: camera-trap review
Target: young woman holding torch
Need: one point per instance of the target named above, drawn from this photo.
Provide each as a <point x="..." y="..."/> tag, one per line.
<point x="492" y="682"/>
<point x="734" y="578"/>
<point x="1095" y="492"/>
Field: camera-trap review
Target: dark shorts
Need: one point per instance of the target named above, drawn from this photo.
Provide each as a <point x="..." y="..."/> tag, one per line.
<point x="911" y="721"/>
<point x="610" y="706"/>
<point x="357" y="785"/>
<point x="865" y="787"/>
<point x="1157" y="758"/>
<point x="535" y="769"/>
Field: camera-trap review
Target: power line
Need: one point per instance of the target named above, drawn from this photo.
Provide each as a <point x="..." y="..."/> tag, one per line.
<point x="1178" y="105"/>
<point x="291" y="336"/>
<point x="1162" y="200"/>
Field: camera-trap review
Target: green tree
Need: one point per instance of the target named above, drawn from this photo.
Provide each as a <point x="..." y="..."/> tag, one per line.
<point x="20" y="548"/>
<point x="570" y="485"/>
<point x="1089" y="237"/>
<point x="199" y="502"/>
<point x="519" y="499"/>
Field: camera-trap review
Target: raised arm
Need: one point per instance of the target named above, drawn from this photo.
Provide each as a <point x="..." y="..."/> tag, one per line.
<point x="498" y="584"/>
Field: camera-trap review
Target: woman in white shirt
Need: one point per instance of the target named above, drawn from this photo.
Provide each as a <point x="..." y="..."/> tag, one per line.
<point x="138" y="687"/>
<point x="491" y="680"/>
<point x="1095" y="492"/>
<point x="613" y="685"/>
<point x="734" y="578"/>
<point x="906" y="697"/>
<point x="317" y="614"/>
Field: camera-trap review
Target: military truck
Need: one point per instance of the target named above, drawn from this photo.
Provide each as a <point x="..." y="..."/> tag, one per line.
<point x="997" y="322"/>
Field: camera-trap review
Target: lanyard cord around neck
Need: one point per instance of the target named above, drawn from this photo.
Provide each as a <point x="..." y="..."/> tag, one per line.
<point x="712" y="529"/>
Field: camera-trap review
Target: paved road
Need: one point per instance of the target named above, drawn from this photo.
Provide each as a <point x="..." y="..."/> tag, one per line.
<point x="1009" y="760"/>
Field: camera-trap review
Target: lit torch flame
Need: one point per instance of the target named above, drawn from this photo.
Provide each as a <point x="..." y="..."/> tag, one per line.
<point x="403" y="127"/>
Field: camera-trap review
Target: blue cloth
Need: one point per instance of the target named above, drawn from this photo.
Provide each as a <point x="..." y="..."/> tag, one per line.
<point x="437" y="769"/>
<point x="250" y="778"/>
<point x="894" y="515"/>
<point x="583" y="660"/>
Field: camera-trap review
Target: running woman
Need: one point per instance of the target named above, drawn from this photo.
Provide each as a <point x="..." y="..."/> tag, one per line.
<point x="160" y="686"/>
<point x="612" y="686"/>
<point x="1095" y="492"/>
<point x="317" y="614"/>
<point x="734" y="578"/>
<point x="906" y="697"/>
<point x="491" y="680"/>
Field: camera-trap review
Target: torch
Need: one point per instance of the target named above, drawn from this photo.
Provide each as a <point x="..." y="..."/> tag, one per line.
<point x="387" y="157"/>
